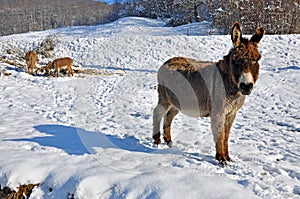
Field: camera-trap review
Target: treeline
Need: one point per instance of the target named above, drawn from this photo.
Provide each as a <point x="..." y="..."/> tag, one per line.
<point x="277" y="16"/>
<point x="19" y="16"/>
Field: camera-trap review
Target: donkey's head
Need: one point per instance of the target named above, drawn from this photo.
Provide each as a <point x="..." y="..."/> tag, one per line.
<point x="48" y="67"/>
<point x="244" y="58"/>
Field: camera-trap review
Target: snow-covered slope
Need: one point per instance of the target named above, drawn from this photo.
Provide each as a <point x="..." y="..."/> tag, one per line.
<point x="91" y="136"/>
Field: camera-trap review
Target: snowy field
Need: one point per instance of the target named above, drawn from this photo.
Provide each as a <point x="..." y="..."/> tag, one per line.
<point x="91" y="136"/>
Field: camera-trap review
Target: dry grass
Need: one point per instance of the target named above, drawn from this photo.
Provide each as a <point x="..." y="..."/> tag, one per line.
<point x="82" y="72"/>
<point x="23" y="190"/>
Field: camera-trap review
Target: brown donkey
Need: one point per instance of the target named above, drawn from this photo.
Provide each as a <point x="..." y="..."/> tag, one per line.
<point x="31" y="61"/>
<point x="208" y="89"/>
<point x="60" y="63"/>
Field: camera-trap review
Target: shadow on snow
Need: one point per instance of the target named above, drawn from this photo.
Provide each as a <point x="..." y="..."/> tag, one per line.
<point x="289" y="68"/>
<point x="76" y="141"/>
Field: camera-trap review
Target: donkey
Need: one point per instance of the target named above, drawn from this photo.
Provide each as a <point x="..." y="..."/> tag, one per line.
<point x="31" y="61"/>
<point x="208" y="89"/>
<point x="60" y="63"/>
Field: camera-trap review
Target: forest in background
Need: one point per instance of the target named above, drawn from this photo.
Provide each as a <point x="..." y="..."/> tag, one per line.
<point x="19" y="16"/>
<point x="277" y="16"/>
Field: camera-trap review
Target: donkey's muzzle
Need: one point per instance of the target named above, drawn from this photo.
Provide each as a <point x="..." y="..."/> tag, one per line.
<point x="246" y="88"/>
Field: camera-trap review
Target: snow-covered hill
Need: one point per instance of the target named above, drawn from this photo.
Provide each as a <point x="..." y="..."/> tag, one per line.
<point x="91" y="136"/>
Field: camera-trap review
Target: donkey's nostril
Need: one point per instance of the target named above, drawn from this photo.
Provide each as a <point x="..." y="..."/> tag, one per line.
<point x="246" y="88"/>
<point x="250" y="86"/>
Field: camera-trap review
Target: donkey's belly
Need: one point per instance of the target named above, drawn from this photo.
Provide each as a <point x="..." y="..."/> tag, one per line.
<point x="193" y="113"/>
<point x="191" y="105"/>
<point x="63" y="67"/>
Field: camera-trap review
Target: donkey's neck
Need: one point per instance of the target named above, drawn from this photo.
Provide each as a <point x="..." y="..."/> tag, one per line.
<point x="227" y="76"/>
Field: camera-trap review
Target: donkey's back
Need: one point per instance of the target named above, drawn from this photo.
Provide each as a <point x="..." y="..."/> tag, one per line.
<point x="184" y="64"/>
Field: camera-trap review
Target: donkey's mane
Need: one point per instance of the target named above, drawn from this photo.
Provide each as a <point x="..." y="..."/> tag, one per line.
<point x="226" y="72"/>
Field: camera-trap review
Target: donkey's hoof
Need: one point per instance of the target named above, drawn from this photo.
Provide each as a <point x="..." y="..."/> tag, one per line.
<point x="157" y="142"/>
<point x="220" y="157"/>
<point x="168" y="141"/>
<point x="170" y="144"/>
<point x="228" y="159"/>
<point x="222" y="163"/>
<point x="156" y="138"/>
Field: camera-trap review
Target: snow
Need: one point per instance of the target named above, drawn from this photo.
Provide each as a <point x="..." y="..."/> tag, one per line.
<point x="91" y="136"/>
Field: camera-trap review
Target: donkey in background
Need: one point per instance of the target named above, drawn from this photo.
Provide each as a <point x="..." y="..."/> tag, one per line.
<point x="31" y="61"/>
<point x="208" y="89"/>
<point x="59" y="64"/>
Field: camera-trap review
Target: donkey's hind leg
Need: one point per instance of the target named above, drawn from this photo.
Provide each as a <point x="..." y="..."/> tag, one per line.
<point x="159" y="112"/>
<point x="167" y="125"/>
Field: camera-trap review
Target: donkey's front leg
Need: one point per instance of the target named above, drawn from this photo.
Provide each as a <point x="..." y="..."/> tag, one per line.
<point x="221" y="148"/>
<point x="228" y="123"/>
<point x="57" y="71"/>
<point x="218" y="130"/>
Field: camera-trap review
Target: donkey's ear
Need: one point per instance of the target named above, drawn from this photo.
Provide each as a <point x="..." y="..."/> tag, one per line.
<point x="258" y="35"/>
<point x="236" y="34"/>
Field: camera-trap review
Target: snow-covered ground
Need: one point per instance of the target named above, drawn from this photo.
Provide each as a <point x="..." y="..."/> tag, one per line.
<point x="91" y="136"/>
